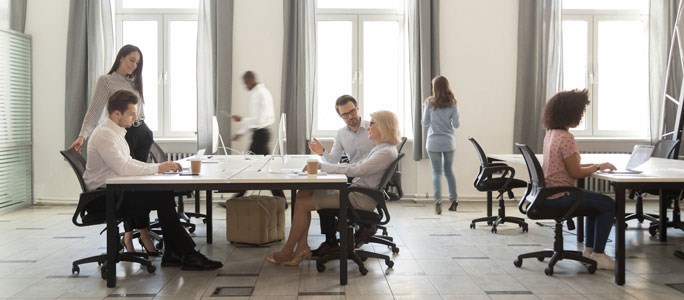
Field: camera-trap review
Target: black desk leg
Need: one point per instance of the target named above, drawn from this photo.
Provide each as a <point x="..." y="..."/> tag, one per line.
<point x="619" y="234"/>
<point x="293" y="199"/>
<point x="662" y="211"/>
<point x="580" y="219"/>
<point x="210" y="223"/>
<point x="112" y="239"/>
<point x="344" y="239"/>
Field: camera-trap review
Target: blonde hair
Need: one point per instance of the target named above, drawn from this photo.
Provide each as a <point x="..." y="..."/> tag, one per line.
<point x="388" y="125"/>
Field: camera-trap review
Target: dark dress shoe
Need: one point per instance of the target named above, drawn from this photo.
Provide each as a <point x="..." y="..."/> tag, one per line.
<point x="325" y="248"/>
<point x="198" y="262"/>
<point x="170" y="259"/>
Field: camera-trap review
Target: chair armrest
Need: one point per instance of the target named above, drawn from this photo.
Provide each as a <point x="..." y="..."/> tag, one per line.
<point x="505" y="169"/>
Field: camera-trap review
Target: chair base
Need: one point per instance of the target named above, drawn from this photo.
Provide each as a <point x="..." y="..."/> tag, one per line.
<point x="557" y="256"/>
<point x="639" y="213"/>
<point x="496" y="220"/>
<point x="676" y="222"/>
<point x="101" y="260"/>
<point x="358" y="256"/>
<point x="500" y="218"/>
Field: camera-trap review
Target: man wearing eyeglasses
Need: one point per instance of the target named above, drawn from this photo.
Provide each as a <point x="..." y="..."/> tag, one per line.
<point x="351" y="140"/>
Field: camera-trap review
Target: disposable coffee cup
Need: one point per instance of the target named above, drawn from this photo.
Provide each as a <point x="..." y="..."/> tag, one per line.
<point x="195" y="165"/>
<point x="312" y="166"/>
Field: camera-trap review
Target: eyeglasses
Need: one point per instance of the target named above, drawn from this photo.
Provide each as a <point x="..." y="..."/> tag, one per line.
<point x="348" y="114"/>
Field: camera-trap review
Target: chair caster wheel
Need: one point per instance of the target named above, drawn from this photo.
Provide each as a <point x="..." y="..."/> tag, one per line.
<point x="548" y="271"/>
<point x="389" y="263"/>
<point x="384" y="232"/>
<point x="540" y="258"/>
<point x="151" y="268"/>
<point x="591" y="269"/>
<point x="472" y="225"/>
<point x="159" y="245"/>
<point x="653" y="230"/>
<point x="490" y="223"/>
<point x="517" y="262"/>
<point x="103" y="272"/>
<point x="204" y="221"/>
<point x="75" y="270"/>
<point x="320" y="267"/>
<point x="363" y="270"/>
<point x="191" y="229"/>
<point x="395" y="250"/>
<point x="525" y="228"/>
<point x="493" y="229"/>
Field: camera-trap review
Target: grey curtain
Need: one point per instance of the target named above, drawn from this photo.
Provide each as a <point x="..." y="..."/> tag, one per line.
<point x="539" y="61"/>
<point x="298" y="83"/>
<point x="17" y="15"/>
<point x="214" y="69"/>
<point x="662" y="17"/>
<point x="89" y="55"/>
<point x="423" y="25"/>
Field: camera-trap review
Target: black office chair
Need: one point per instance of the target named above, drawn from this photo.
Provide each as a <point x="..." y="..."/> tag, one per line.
<point x="90" y="211"/>
<point x="496" y="177"/>
<point x="662" y="149"/>
<point x="395" y="180"/>
<point x="531" y="204"/>
<point x="367" y="221"/>
<point x="158" y="155"/>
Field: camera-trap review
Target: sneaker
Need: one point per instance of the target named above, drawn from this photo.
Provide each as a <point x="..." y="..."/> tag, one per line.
<point x="438" y="208"/>
<point x="603" y="261"/>
<point x="587" y="252"/>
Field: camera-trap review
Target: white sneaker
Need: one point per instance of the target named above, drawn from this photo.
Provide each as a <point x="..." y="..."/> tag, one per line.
<point x="587" y="252"/>
<point x="603" y="261"/>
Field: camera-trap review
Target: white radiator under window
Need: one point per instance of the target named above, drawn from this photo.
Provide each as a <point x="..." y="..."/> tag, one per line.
<point x="177" y="155"/>
<point x="599" y="185"/>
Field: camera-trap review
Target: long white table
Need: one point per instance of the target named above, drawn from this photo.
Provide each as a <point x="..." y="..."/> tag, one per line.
<point x="658" y="173"/>
<point x="233" y="172"/>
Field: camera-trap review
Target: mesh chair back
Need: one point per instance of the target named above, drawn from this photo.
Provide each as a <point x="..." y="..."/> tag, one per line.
<point x="157" y="153"/>
<point x="534" y="168"/>
<point x="484" y="162"/>
<point x="401" y="144"/>
<point x="78" y="163"/>
<point x="665" y="148"/>
<point x="389" y="172"/>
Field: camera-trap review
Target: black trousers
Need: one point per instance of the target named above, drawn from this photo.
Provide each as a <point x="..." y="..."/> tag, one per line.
<point x="140" y="204"/>
<point x="260" y="139"/>
<point x="140" y="141"/>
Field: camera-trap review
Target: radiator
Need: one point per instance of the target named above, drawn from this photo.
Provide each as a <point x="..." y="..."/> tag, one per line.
<point x="177" y="155"/>
<point x="599" y="185"/>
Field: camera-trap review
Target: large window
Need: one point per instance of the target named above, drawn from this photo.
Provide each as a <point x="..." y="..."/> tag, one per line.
<point x="359" y="52"/>
<point x="166" y="33"/>
<point x="605" y="50"/>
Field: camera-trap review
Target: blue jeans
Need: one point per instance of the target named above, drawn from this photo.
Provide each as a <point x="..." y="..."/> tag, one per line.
<point x="441" y="163"/>
<point x="599" y="212"/>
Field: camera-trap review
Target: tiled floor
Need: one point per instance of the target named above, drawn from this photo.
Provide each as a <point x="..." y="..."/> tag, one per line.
<point x="440" y="258"/>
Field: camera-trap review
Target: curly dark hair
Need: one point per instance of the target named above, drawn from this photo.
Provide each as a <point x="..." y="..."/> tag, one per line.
<point x="565" y="109"/>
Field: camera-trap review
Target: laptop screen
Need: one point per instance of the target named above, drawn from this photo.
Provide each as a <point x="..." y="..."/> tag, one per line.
<point x="640" y="154"/>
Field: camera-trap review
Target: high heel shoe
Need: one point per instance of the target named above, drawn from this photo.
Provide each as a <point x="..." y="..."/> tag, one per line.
<point x="277" y="258"/>
<point x="298" y="257"/>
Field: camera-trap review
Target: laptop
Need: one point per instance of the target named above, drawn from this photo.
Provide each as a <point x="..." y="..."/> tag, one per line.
<point x="640" y="154"/>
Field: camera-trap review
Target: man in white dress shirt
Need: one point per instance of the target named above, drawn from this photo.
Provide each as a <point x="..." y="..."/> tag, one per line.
<point x="351" y="140"/>
<point x="261" y="117"/>
<point x="109" y="156"/>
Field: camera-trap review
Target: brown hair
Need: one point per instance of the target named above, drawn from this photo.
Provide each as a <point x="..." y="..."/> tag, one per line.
<point x="388" y="125"/>
<point x="442" y="97"/>
<point x="344" y="99"/>
<point x="137" y="73"/>
<point x="120" y="100"/>
<point x="565" y="109"/>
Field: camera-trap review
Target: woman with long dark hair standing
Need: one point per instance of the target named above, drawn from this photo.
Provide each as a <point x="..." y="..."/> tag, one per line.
<point x="125" y="74"/>
<point x="440" y="115"/>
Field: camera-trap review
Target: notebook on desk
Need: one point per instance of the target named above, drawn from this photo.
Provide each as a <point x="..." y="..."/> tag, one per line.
<point x="640" y="154"/>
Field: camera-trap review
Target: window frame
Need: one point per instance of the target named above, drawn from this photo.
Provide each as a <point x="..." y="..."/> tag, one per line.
<point x="593" y="17"/>
<point x="163" y="17"/>
<point x="357" y="17"/>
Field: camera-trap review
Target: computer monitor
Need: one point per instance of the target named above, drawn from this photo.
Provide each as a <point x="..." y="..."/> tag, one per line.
<point x="281" y="137"/>
<point x="216" y="137"/>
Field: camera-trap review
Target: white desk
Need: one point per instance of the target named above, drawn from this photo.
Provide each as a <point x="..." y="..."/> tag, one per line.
<point x="658" y="173"/>
<point x="224" y="173"/>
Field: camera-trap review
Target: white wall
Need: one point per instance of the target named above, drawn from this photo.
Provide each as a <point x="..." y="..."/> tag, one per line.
<point x="478" y="55"/>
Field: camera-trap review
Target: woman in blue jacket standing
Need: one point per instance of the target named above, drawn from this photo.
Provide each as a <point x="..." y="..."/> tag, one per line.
<point x="440" y="115"/>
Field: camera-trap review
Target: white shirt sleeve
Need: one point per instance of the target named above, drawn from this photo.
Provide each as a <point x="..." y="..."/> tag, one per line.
<point x="112" y="155"/>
